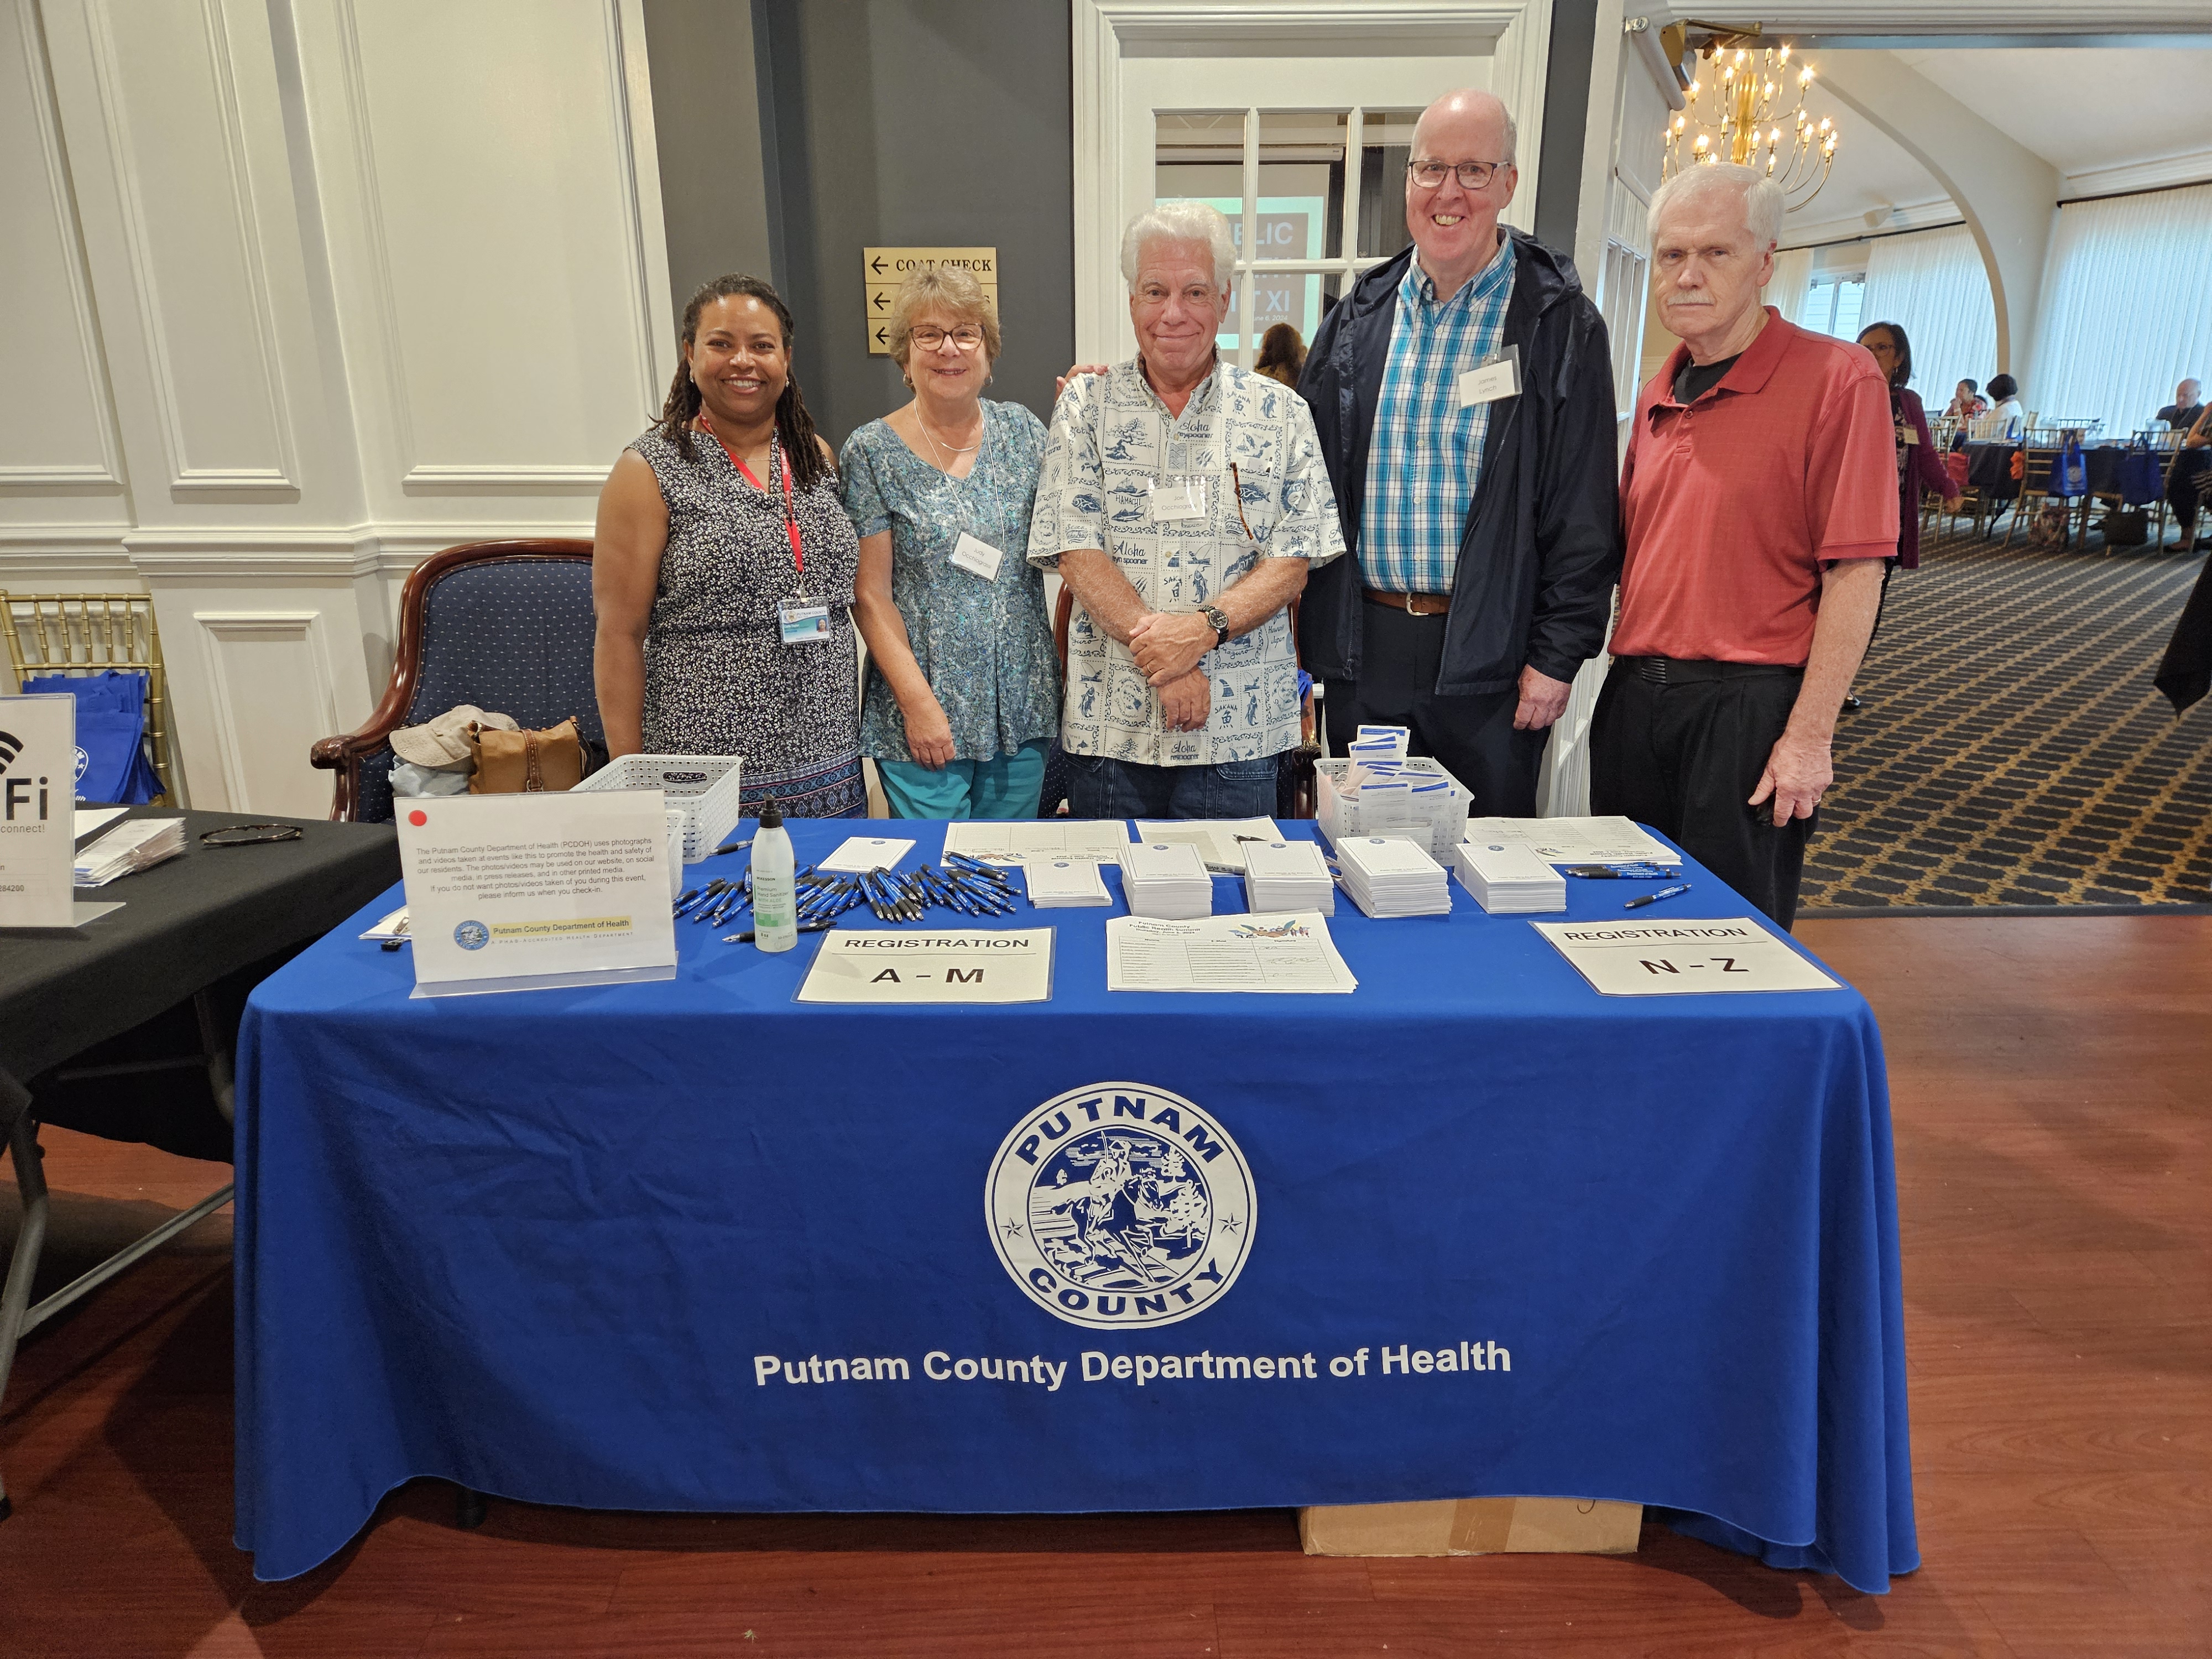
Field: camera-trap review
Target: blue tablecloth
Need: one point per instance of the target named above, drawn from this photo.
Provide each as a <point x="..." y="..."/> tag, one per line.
<point x="577" y="1246"/>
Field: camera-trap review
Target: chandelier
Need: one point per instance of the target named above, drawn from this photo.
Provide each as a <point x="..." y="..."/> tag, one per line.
<point x="1734" y="113"/>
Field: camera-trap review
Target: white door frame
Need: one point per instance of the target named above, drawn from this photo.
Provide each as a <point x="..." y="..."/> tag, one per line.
<point x="1515" y="33"/>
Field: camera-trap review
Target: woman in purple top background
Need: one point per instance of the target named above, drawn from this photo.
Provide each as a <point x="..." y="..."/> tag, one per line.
<point x="1918" y="465"/>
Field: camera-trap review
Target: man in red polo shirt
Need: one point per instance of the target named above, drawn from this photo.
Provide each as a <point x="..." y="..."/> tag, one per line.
<point x="1759" y="500"/>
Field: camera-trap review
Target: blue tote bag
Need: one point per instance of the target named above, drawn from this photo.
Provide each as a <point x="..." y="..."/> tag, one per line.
<point x="112" y="765"/>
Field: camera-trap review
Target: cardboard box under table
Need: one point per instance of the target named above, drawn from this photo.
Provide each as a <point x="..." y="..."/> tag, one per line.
<point x="1473" y="1526"/>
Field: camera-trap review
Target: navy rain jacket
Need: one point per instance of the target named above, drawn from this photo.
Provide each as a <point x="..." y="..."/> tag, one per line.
<point x="1540" y="551"/>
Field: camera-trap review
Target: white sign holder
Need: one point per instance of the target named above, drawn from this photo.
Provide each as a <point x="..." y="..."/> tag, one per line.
<point x="533" y="891"/>
<point x="37" y="815"/>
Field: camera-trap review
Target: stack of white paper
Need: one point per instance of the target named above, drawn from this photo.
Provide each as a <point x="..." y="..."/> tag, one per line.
<point x="1166" y="880"/>
<point x="1065" y="883"/>
<point x="1286" y="875"/>
<point x="1220" y="842"/>
<point x="139" y="844"/>
<point x="1509" y="879"/>
<point x="1390" y="876"/>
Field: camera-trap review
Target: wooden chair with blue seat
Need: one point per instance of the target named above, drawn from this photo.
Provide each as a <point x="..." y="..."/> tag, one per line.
<point x="505" y="625"/>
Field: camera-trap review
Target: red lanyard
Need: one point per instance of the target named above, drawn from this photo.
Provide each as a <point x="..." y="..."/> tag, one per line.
<point x="783" y="465"/>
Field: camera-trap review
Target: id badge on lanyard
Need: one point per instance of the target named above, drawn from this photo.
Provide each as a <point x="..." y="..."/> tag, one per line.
<point x="803" y="620"/>
<point x="800" y="620"/>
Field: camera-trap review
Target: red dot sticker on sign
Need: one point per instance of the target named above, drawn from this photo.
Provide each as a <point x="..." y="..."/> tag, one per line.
<point x="418" y="817"/>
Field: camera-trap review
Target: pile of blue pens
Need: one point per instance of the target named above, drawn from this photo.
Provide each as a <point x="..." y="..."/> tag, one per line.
<point x="965" y="886"/>
<point x="717" y="901"/>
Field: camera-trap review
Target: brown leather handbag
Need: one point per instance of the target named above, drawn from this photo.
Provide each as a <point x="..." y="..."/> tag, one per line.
<point x="525" y="762"/>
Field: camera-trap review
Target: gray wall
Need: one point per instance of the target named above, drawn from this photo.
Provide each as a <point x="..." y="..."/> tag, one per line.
<point x="927" y="123"/>
<point x="715" y="183"/>
<point x="1566" y="115"/>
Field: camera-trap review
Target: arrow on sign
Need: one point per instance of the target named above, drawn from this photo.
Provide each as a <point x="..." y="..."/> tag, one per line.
<point x="880" y="337"/>
<point x="880" y="301"/>
<point x="876" y="264"/>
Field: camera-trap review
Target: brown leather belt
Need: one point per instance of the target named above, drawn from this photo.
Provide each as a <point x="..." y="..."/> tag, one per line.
<point x="1414" y="604"/>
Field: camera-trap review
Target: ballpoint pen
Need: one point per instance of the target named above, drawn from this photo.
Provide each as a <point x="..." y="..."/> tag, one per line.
<point x="1654" y="898"/>
<point x="746" y="937"/>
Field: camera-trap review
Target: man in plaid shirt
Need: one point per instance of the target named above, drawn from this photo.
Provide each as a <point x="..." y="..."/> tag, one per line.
<point x="1462" y="395"/>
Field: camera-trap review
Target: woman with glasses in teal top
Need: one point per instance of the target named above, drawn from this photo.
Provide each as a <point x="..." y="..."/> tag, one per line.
<point x="963" y="694"/>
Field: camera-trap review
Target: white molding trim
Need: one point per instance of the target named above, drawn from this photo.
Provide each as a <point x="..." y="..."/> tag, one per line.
<point x="1908" y="17"/>
<point x="563" y="478"/>
<point x="1853" y="228"/>
<point x="219" y="626"/>
<point x="44" y="116"/>
<point x="654" y="307"/>
<point x="2165" y="172"/>
<point x="244" y="223"/>
<point x="1515" y="33"/>
<point x="401" y="429"/>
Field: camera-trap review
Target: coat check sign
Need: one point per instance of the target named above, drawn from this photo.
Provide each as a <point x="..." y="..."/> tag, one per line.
<point x="885" y="268"/>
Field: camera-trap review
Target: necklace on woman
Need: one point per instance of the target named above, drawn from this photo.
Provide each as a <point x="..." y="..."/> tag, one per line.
<point x="943" y="465"/>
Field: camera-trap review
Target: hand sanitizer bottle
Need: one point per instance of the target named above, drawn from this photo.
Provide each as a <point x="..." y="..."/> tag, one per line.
<point x="775" y="912"/>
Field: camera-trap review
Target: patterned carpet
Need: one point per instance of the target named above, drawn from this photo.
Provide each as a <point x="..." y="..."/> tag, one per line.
<point x="2012" y="750"/>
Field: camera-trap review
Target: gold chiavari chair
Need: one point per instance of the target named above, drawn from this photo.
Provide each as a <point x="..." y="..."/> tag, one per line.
<point x="90" y="634"/>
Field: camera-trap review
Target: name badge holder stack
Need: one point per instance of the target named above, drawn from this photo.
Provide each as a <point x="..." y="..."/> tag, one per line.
<point x="1509" y="880"/>
<point x="1391" y="876"/>
<point x="1282" y="877"/>
<point x="1166" y="881"/>
<point x="1067" y="884"/>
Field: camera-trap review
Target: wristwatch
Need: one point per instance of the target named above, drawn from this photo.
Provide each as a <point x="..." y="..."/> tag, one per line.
<point x="1219" y="620"/>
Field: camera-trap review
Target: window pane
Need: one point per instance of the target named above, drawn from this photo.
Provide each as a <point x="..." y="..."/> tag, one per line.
<point x="1199" y="155"/>
<point x="1386" y="142"/>
<point x="1850" y="297"/>
<point x="1820" y="305"/>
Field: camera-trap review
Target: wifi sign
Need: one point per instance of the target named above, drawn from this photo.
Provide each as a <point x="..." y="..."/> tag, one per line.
<point x="18" y="790"/>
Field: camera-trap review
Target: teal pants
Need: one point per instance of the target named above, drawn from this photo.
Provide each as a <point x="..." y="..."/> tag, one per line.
<point x="1003" y="787"/>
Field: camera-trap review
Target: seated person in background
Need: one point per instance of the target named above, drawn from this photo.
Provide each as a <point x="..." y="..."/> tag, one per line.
<point x="1282" y="355"/>
<point x="2189" y="478"/>
<point x="2004" y="392"/>
<point x="963" y="692"/>
<point x="722" y="575"/>
<point x="1965" y="402"/>
<point x="1183" y="500"/>
<point x="2186" y="408"/>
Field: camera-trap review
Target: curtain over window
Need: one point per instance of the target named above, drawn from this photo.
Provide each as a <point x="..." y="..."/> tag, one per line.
<point x="1933" y="285"/>
<point x="1793" y="272"/>
<point x="2127" y="312"/>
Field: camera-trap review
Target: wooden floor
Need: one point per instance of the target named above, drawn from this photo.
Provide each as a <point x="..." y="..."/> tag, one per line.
<point x="2054" y="1143"/>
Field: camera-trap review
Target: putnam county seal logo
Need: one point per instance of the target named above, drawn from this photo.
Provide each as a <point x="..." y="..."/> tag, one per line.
<point x="472" y="936"/>
<point x="1121" y="1205"/>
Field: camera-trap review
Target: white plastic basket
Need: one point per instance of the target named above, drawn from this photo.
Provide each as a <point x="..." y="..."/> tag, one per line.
<point x="1438" y="822"/>
<point x="703" y="788"/>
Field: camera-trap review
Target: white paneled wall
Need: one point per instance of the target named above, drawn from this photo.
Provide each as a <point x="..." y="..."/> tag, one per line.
<point x="297" y="292"/>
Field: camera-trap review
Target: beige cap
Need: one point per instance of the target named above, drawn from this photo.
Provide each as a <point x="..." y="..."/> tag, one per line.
<point x="442" y="744"/>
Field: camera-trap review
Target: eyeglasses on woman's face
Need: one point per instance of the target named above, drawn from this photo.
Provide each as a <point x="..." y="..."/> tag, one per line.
<point x="1473" y="175"/>
<point x="964" y="338"/>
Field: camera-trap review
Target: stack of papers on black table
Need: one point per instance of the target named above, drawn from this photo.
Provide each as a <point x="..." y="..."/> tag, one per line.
<point x="1065" y="883"/>
<point x="1281" y="876"/>
<point x="1509" y="879"/>
<point x="1391" y="876"/>
<point x="134" y="845"/>
<point x="1166" y="880"/>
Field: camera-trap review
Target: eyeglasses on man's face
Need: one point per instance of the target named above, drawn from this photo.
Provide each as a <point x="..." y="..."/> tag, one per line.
<point x="1473" y="175"/>
<point x="930" y="339"/>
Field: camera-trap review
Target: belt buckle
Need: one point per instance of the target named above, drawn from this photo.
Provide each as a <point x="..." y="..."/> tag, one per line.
<point x="1653" y="669"/>
<point x="1423" y="604"/>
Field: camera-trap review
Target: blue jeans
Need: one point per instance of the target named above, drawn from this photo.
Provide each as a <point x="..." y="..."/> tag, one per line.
<point x="1098" y="788"/>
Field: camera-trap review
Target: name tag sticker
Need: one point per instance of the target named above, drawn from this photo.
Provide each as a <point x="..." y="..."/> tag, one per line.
<point x="1497" y="375"/>
<point x="1908" y="434"/>
<point x="977" y="557"/>
<point x="803" y="622"/>
<point x="1178" y="498"/>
